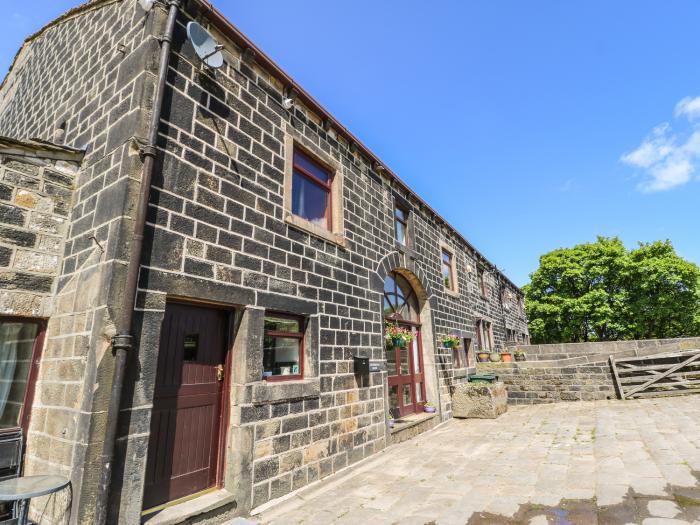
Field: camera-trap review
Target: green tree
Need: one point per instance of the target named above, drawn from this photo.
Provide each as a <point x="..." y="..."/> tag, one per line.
<point x="662" y="292"/>
<point x="600" y="292"/>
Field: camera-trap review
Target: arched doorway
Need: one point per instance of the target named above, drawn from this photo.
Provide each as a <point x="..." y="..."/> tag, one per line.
<point x="404" y="363"/>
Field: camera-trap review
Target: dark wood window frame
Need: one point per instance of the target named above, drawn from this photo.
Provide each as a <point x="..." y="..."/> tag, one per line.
<point x="404" y="222"/>
<point x="37" y="350"/>
<point x="451" y="265"/>
<point x="326" y="186"/>
<point x="295" y="335"/>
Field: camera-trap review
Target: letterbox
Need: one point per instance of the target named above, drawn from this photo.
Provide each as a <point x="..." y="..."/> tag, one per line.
<point x="361" y="365"/>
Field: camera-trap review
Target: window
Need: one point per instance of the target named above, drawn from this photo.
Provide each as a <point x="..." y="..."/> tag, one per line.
<point x="20" y="346"/>
<point x="484" y="335"/>
<point x="448" y="274"/>
<point x="469" y="352"/>
<point x="458" y="358"/>
<point x="401" y="225"/>
<point x="481" y="281"/>
<point x="283" y="347"/>
<point x="311" y="191"/>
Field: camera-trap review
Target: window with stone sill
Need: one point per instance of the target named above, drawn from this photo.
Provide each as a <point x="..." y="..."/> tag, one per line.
<point x="484" y="335"/>
<point x="481" y="281"/>
<point x="311" y="191"/>
<point x="401" y="225"/>
<point x="283" y="347"/>
<point x="448" y="270"/>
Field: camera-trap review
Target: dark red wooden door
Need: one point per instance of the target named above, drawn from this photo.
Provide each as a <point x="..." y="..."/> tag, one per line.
<point x="184" y="447"/>
<point x="406" y="380"/>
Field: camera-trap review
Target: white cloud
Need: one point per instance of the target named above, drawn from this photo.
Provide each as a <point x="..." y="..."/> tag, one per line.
<point x="665" y="159"/>
<point x="689" y="107"/>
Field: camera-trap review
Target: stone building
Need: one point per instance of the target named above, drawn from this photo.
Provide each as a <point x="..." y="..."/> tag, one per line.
<point x="276" y="248"/>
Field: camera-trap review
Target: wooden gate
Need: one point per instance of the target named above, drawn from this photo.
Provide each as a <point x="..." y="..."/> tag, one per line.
<point x="184" y="448"/>
<point x="670" y="374"/>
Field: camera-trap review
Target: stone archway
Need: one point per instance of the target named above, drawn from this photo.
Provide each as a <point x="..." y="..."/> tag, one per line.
<point x="396" y="272"/>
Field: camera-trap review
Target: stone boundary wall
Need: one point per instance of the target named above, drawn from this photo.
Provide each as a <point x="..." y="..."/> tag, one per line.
<point x="573" y="372"/>
<point x="606" y="348"/>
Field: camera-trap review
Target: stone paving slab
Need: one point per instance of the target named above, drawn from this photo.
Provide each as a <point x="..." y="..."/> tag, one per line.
<point x="601" y="462"/>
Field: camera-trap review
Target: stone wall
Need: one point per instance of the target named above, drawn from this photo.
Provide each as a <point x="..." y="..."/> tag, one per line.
<point x="35" y="202"/>
<point x="574" y="371"/>
<point x="86" y="80"/>
<point x="603" y="348"/>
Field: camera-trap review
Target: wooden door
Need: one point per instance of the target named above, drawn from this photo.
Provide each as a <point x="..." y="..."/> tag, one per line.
<point x="184" y="447"/>
<point x="406" y="380"/>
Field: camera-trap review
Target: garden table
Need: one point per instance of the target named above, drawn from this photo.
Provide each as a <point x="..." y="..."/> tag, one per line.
<point x="25" y="488"/>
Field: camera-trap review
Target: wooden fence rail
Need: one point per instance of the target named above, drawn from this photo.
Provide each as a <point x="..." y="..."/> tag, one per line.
<point x="670" y="374"/>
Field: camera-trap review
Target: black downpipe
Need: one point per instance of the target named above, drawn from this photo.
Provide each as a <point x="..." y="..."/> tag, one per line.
<point x="122" y="342"/>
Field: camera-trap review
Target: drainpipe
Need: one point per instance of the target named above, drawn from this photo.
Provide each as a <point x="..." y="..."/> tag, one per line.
<point x="122" y="342"/>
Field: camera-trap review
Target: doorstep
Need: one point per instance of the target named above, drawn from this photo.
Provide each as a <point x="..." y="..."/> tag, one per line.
<point x="215" y="500"/>
<point x="410" y="426"/>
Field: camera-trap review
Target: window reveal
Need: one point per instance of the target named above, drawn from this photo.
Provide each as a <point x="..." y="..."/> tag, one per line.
<point x="283" y="347"/>
<point x="448" y="270"/>
<point x="311" y="191"/>
<point x="401" y="225"/>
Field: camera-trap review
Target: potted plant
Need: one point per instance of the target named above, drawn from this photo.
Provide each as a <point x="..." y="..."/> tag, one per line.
<point x="483" y="356"/>
<point x="506" y="356"/>
<point x="397" y="336"/>
<point x="450" y="341"/>
<point x="428" y="407"/>
<point x="495" y="357"/>
<point x="519" y="355"/>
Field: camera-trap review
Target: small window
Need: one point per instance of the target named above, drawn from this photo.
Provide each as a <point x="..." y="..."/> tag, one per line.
<point x="469" y="352"/>
<point x="311" y="191"/>
<point x="458" y="358"/>
<point x="484" y="335"/>
<point x="20" y="345"/>
<point x="481" y="278"/>
<point x="283" y="347"/>
<point x="448" y="270"/>
<point x="401" y="225"/>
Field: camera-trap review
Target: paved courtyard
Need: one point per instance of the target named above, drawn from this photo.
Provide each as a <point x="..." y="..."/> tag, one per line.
<point x="603" y="462"/>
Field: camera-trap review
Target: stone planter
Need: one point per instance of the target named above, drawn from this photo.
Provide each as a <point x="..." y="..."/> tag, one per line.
<point x="477" y="400"/>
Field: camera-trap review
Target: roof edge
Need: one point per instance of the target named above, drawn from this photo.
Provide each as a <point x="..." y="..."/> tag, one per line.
<point x="31" y="147"/>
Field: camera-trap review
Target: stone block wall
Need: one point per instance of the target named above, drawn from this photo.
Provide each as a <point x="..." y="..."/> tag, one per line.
<point x="35" y="203"/>
<point x="574" y="371"/>
<point x="604" y="348"/>
<point x="528" y="384"/>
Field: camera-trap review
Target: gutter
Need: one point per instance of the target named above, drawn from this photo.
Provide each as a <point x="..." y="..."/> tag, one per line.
<point x="243" y="42"/>
<point x="122" y="341"/>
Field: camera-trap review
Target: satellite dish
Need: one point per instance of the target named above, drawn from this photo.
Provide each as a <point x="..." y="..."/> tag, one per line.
<point x="146" y="5"/>
<point x="207" y="49"/>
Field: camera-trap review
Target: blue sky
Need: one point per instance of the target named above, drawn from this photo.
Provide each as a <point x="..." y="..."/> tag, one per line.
<point x="528" y="125"/>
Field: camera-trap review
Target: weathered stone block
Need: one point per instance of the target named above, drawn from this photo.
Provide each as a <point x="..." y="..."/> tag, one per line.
<point x="486" y="401"/>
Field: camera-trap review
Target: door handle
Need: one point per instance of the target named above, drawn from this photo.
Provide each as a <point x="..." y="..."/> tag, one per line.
<point x="219" y="372"/>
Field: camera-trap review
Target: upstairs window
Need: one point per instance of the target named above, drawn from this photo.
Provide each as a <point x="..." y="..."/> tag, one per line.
<point x="283" y="347"/>
<point x="401" y="225"/>
<point x="311" y="191"/>
<point x="481" y="281"/>
<point x="448" y="273"/>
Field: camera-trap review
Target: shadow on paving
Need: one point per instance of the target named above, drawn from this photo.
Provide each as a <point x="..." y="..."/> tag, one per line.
<point x="634" y="509"/>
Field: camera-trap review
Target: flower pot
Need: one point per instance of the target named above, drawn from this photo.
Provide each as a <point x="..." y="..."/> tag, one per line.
<point x="399" y="342"/>
<point x="482" y="357"/>
<point x="520" y="357"/>
<point x="506" y="357"/>
<point x="428" y="409"/>
<point x="495" y="357"/>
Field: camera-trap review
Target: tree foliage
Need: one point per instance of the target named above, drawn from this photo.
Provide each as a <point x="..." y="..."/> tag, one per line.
<point x="602" y="292"/>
